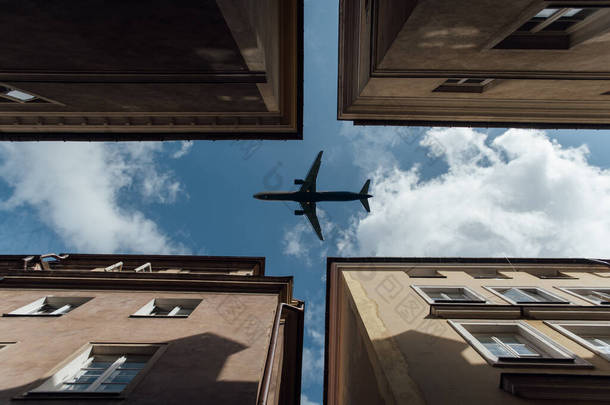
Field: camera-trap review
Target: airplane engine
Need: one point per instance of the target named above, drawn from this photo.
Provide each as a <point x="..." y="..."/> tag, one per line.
<point x="298" y="181"/>
<point x="299" y="212"/>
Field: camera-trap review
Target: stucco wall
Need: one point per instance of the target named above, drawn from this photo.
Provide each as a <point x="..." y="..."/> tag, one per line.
<point x="217" y="353"/>
<point x="445" y="368"/>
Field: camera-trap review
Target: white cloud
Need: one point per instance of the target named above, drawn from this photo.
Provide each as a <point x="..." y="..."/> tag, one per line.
<point x="185" y="148"/>
<point x="79" y="189"/>
<point x="307" y="401"/>
<point x="313" y="366"/>
<point x="521" y="194"/>
<point x="299" y="241"/>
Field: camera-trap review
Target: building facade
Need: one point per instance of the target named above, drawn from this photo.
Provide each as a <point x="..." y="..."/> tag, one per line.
<point x="531" y="63"/>
<point x="123" y="70"/>
<point x="467" y="331"/>
<point x="147" y="329"/>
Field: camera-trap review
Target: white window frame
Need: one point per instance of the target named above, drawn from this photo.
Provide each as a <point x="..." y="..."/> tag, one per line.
<point x="52" y="386"/>
<point x="560" y="301"/>
<point x="176" y="303"/>
<point x="4" y="345"/>
<point x="63" y="305"/>
<point x="422" y="291"/>
<point x="555" y="355"/>
<point x="569" y="290"/>
<point x="574" y="329"/>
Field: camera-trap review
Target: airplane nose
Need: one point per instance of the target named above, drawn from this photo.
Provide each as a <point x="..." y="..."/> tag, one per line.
<point x="257" y="196"/>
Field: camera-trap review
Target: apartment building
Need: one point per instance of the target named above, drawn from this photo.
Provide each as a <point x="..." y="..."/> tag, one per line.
<point x="529" y="63"/>
<point x="97" y="329"/>
<point x="126" y="70"/>
<point x="467" y="331"/>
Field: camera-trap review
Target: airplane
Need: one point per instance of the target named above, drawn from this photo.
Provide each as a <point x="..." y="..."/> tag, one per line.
<point x="307" y="196"/>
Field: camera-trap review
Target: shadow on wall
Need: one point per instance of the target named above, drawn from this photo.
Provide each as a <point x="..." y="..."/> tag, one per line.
<point x="186" y="373"/>
<point x="440" y="369"/>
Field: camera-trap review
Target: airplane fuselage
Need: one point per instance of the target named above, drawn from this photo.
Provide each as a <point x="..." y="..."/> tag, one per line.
<point x="305" y="196"/>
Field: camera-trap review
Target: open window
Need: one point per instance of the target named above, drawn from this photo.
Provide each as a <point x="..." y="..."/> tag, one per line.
<point x="12" y="94"/>
<point x="100" y="369"/>
<point x="514" y="344"/>
<point x="491" y="274"/>
<point x="559" y="26"/>
<point x="595" y="295"/>
<point x="449" y="295"/>
<point x="50" y="306"/>
<point x="595" y="336"/>
<point x="527" y="295"/>
<point x="168" y="308"/>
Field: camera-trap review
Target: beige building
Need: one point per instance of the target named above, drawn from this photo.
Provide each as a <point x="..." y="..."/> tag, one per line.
<point x="94" y="329"/>
<point x="105" y="70"/>
<point x="532" y="63"/>
<point x="467" y="331"/>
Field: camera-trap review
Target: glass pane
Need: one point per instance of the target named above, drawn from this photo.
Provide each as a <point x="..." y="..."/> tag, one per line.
<point x="518" y="296"/>
<point x="134" y="362"/>
<point x="122" y="376"/>
<point x="86" y="376"/>
<point x="522" y="348"/>
<point x="111" y="387"/>
<point x="74" y="387"/>
<point x="495" y="348"/>
<point x="100" y="364"/>
<point x="44" y="309"/>
<point x="600" y="342"/>
<point x="546" y="13"/>
<point x="20" y="95"/>
<point x="572" y="12"/>
<point x="160" y="311"/>
<point x="184" y="311"/>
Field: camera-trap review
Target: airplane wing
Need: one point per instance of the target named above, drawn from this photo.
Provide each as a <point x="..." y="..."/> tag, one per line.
<point x="312" y="175"/>
<point x="310" y="211"/>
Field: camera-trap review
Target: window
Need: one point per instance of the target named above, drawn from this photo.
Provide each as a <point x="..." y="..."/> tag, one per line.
<point x="597" y="296"/>
<point x="12" y="94"/>
<point x="100" y="369"/>
<point x="514" y="343"/>
<point x="50" y="306"/>
<point x="595" y="336"/>
<point x="442" y="295"/>
<point x="527" y="295"/>
<point x="467" y="85"/>
<point x="487" y="273"/>
<point x="548" y="274"/>
<point x="168" y="308"/>
<point x="556" y="27"/>
<point x="424" y="272"/>
<point x="4" y="344"/>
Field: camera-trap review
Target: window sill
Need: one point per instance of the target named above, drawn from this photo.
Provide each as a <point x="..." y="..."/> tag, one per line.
<point x="159" y="316"/>
<point x="540" y="362"/>
<point x="35" y="315"/>
<point x="51" y="395"/>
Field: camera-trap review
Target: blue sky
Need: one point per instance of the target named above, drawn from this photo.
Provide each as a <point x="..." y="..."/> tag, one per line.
<point x="456" y="192"/>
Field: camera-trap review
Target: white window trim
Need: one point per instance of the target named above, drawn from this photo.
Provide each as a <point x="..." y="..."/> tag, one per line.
<point x="68" y="369"/>
<point x="420" y="290"/>
<point x="71" y="303"/>
<point x="564" y="302"/>
<point x="567" y="290"/>
<point x="4" y="345"/>
<point x="180" y="303"/>
<point x="528" y="333"/>
<point x="560" y="326"/>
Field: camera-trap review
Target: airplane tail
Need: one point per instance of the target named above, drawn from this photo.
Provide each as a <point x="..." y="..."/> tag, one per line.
<point x="364" y="201"/>
<point x="365" y="188"/>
